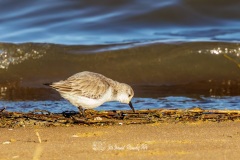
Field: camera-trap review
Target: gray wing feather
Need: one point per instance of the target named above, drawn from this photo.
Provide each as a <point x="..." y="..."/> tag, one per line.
<point x="87" y="85"/>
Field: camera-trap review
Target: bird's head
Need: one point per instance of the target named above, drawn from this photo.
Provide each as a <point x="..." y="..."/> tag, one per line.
<point x="125" y="95"/>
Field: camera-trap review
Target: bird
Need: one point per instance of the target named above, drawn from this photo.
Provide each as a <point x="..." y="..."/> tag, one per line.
<point x="88" y="90"/>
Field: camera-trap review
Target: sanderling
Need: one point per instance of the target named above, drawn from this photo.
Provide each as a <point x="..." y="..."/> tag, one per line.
<point x="88" y="90"/>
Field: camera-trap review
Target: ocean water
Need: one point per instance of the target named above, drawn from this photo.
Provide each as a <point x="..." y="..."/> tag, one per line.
<point x="174" y="53"/>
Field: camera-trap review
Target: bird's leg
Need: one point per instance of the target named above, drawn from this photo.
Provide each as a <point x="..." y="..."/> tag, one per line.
<point x="81" y="110"/>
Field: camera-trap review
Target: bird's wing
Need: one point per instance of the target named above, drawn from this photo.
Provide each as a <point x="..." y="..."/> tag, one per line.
<point x="90" y="86"/>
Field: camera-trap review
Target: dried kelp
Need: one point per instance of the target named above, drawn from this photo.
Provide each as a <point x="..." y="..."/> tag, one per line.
<point x="45" y="118"/>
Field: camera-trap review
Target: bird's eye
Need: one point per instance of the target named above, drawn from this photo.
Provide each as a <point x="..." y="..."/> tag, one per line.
<point x="129" y="95"/>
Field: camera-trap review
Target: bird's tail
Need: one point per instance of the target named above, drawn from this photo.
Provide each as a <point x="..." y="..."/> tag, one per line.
<point x="47" y="84"/>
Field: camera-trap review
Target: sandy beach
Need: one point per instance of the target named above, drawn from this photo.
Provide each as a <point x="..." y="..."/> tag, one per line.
<point x="199" y="140"/>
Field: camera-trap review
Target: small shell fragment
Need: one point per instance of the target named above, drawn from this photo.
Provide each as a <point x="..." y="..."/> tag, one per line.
<point x="97" y="119"/>
<point x="6" y="142"/>
<point x="75" y="136"/>
<point x="15" y="157"/>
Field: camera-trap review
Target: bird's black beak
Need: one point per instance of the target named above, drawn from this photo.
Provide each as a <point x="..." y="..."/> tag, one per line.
<point x="130" y="104"/>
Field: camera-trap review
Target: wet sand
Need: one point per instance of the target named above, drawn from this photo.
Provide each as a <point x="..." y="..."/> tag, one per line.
<point x="196" y="140"/>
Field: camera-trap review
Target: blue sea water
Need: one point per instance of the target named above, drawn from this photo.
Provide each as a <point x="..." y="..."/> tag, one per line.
<point x="173" y="102"/>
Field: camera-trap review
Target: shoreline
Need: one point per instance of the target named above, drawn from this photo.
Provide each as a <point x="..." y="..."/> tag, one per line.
<point x="110" y="118"/>
<point x="195" y="140"/>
